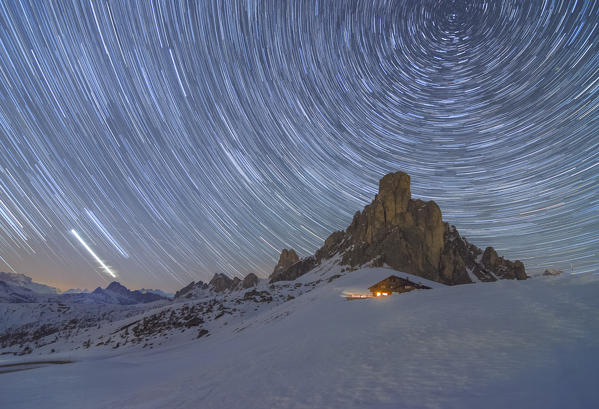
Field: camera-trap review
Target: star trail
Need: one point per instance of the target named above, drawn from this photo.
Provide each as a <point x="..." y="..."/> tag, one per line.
<point x="187" y="138"/>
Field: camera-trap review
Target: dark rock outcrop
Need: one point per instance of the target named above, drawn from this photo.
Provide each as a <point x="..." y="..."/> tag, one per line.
<point x="220" y="282"/>
<point x="294" y="271"/>
<point x="190" y="288"/>
<point x="257" y="296"/>
<point x="185" y="290"/>
<point x="286" y="260"/>
<point x="501" y="267"/>
<point x="409" y="235"/>
<point x="250" y="280"/>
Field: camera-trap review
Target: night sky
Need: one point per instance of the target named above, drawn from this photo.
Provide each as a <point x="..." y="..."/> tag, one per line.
<point x="180" y="139"/>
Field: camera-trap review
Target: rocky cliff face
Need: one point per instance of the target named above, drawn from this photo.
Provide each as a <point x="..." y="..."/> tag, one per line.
<point x="286" y="260"/>
<point x="250" y="280"/>
<point x="191" y="289"/>
<point x="408" y="235"/>
<point x="295" y="270"/>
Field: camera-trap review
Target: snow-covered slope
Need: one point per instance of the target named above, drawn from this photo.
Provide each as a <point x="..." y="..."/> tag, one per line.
<point x="530" y="344"/>
<point x="73" y="323"/>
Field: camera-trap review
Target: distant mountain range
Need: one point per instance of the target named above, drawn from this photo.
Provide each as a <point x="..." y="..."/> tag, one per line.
<point x="156" y="291"/>
<point x="19" y="288"/>
<point x="75" y="291"/>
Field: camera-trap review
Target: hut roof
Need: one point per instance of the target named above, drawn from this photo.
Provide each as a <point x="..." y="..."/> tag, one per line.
<point x="394" y="281"/>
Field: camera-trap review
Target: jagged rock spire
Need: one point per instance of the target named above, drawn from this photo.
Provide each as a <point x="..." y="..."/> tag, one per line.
<point x="409" y="235"/>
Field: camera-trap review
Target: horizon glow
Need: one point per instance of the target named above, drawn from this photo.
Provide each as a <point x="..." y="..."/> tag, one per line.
<point x="84" y="244"/>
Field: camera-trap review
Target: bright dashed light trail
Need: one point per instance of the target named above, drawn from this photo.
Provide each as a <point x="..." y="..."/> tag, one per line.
<point x="90" y="251"/>
<point x="183" y="139"/>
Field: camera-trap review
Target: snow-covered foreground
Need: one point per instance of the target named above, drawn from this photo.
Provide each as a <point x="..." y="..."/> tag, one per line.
<point x="508" y="344"/>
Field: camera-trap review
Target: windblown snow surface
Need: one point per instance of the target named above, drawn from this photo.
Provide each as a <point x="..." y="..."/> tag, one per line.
<point x="508" y="344"/>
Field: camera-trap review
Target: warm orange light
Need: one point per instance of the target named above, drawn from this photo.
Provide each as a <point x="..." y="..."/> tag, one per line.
<point x="378" y="294"/>
<point x="385" y="294"/>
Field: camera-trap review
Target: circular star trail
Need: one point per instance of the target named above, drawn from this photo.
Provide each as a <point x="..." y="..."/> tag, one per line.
<point x="180" y="139"/>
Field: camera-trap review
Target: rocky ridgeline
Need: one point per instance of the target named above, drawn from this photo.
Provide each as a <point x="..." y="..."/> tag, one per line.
<point x="408" y="235"/>
<point x="218" y="284"/>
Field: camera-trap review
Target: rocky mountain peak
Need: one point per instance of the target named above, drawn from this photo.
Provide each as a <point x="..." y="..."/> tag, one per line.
<point x="410" y="235"/>
<point x="286" y="260"/>
<point x="117" y="288"/>
<point x="116" y="293"/>
<point x="393" y="229"/>
<point x="291" y="267"/>
<point x="394" y="192"/>
<point x="189" y="290"/>
<point x="220" y="282"/>
<point x="250" y="280"/>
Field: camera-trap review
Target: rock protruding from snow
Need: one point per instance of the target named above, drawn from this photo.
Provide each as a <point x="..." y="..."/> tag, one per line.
<point x="250" y="280"/>
<point x="409" y="235"/>
<point x="295" y="270"/>
<point x="291" y="267"/>
<point x="286" y="260"/>
<point x="501" y="267"/>
<point x="220" y="282"/>
<point x="192" y="289"/>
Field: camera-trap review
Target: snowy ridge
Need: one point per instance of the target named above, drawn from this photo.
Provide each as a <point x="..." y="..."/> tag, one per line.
<point x="99" y="320"/>
<point x="58" y="327"/>
<point x="531" y="344"/>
